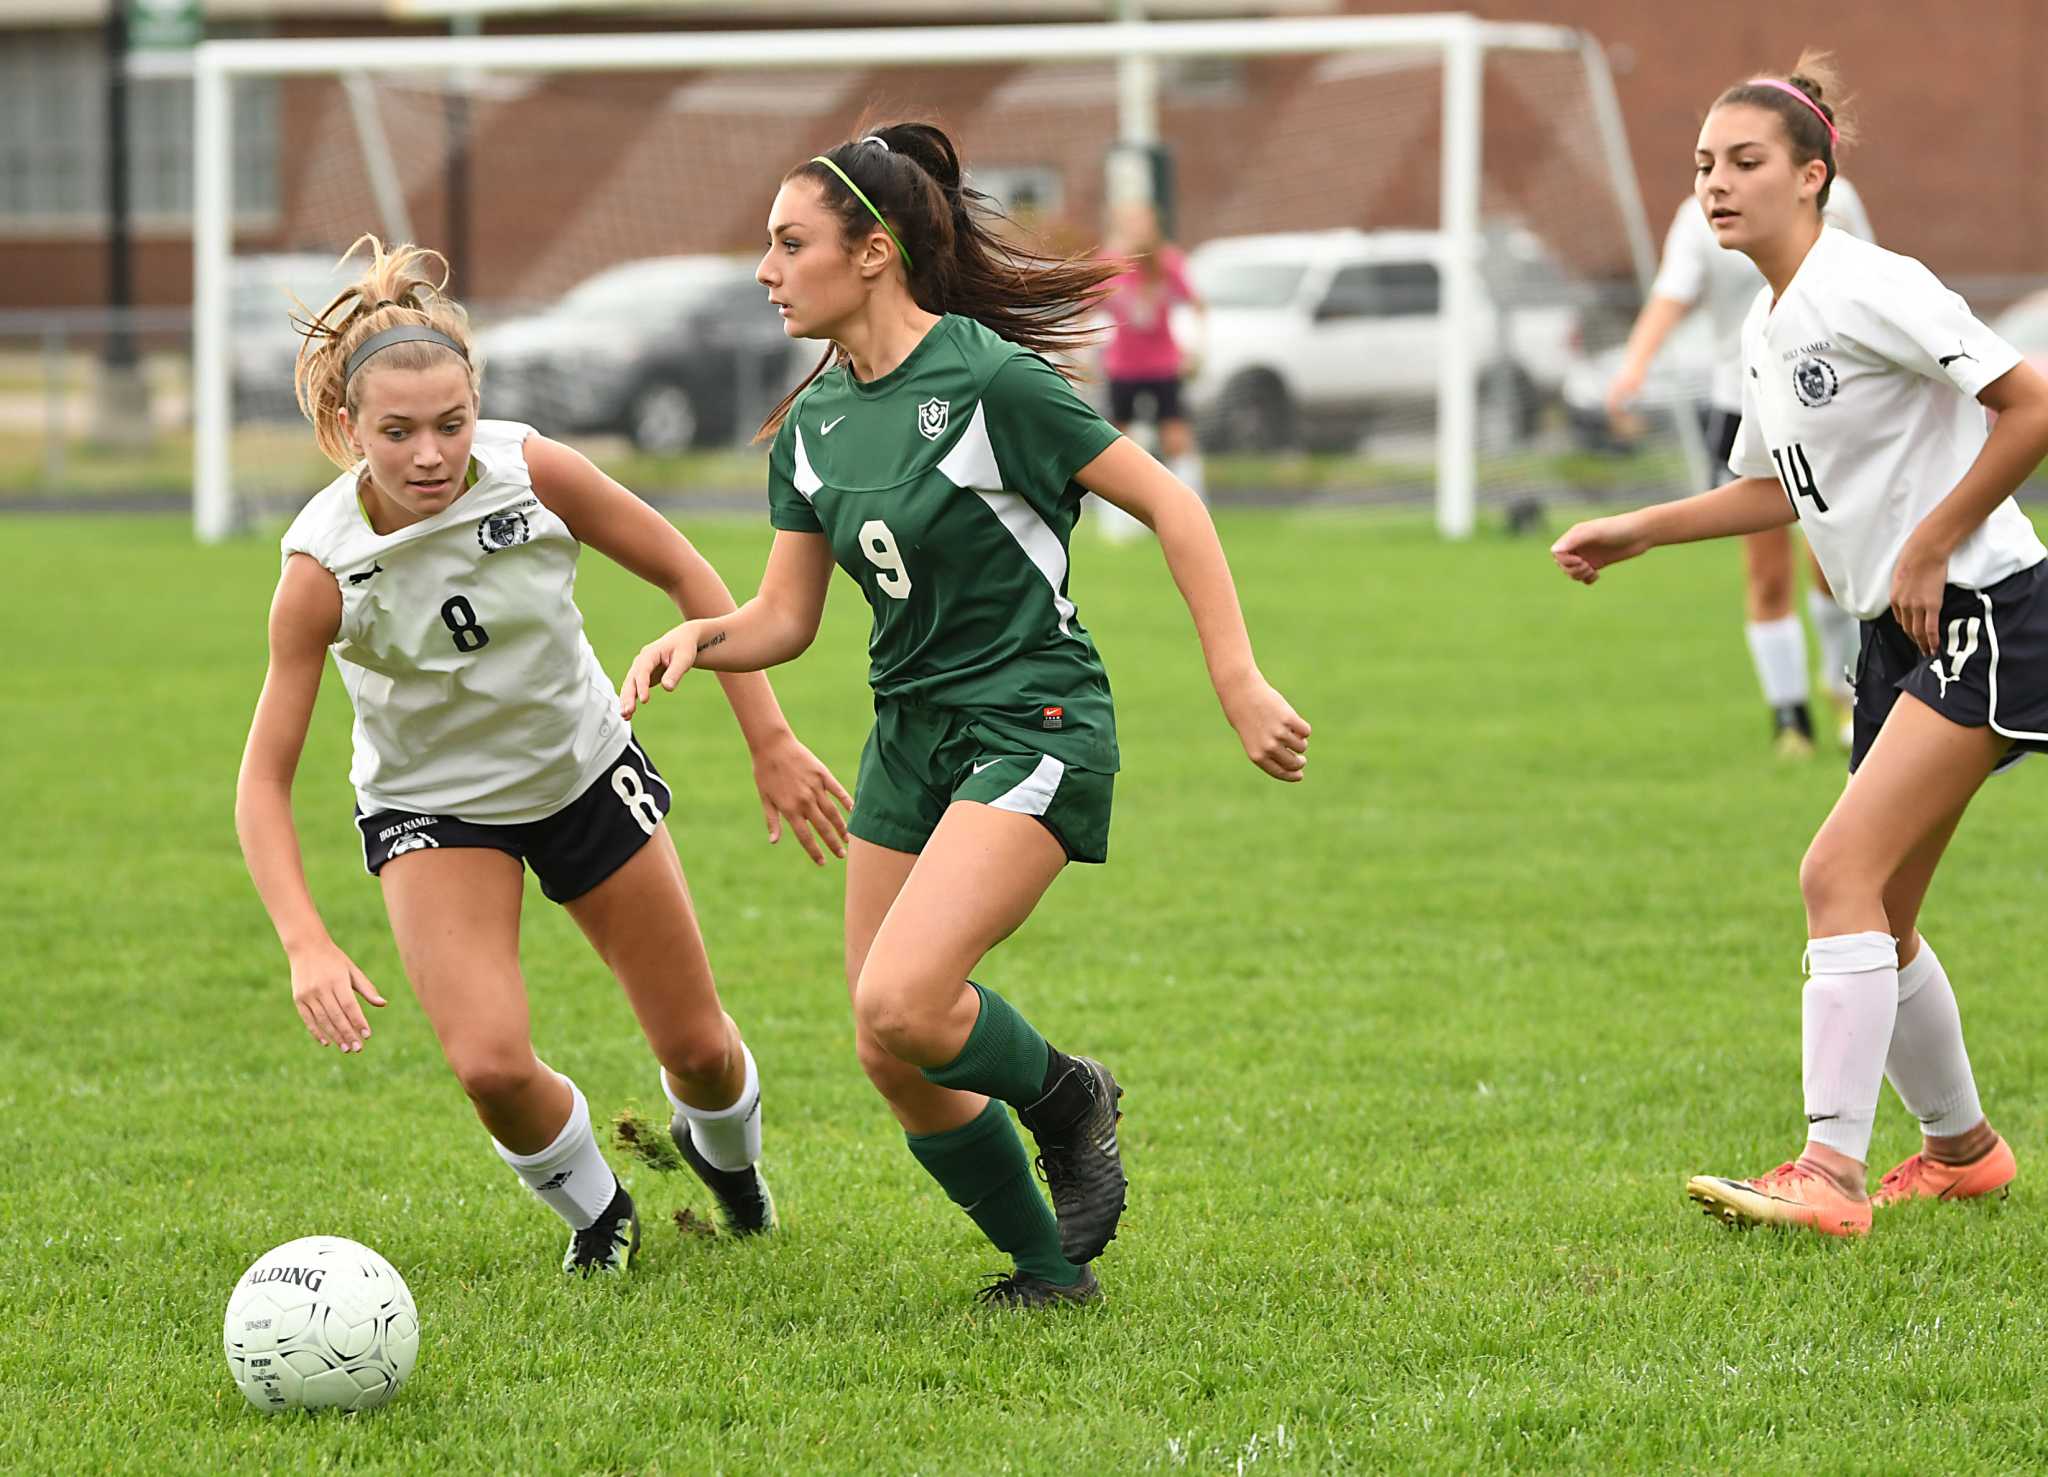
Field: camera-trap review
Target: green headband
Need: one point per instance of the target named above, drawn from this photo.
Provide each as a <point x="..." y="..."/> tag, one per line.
<point x="858" y="195"/>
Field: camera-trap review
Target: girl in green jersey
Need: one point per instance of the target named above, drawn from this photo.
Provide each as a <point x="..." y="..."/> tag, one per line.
<point x="941" y="462"/>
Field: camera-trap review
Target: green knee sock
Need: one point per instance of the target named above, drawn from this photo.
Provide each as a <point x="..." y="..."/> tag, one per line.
<point x="981" y="1166"/>
<point x="1004" y="1057"/>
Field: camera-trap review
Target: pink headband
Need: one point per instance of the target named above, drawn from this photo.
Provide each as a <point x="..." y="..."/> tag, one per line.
<point x="1834" y="135"/>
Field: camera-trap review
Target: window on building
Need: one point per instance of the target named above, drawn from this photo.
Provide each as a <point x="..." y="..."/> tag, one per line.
<point x="53" y="138"/>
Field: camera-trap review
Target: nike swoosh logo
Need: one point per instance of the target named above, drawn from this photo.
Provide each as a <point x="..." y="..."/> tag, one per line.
<point x="980" y="767"/>
<point x="826" y="429"/>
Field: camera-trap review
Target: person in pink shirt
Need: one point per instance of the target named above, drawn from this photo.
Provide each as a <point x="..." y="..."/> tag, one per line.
<point x="1141" y="359"/>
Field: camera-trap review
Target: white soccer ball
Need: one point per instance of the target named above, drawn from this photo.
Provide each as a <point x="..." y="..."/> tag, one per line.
<point x="321" y="1321"/>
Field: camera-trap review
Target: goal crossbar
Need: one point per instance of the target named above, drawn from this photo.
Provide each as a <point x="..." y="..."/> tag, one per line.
<point x="1461" y="41"/>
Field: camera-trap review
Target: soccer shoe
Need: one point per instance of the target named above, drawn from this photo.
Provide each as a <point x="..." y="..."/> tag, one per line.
<point x="1792" y="731"/>
<point x="1075" y="1125"/>
<point x="745" y="1207"/>
<point x="1793" y="1194"/>
<point x="607" y="1244"/>
<point x="1024" y="1290"/>
<point x="1921" y="1178"/>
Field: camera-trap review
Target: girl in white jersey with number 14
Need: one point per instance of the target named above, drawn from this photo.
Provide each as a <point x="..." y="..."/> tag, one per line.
<point x="439" y="570"/>
<point x="1865" y="385"/>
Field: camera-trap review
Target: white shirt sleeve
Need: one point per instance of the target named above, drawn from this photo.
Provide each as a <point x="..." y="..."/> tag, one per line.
<point x="1750" y="457"/>
<point x="1682" y="272"/>
<point x="1845" y="210"/>
<point x="1907" y="316"/>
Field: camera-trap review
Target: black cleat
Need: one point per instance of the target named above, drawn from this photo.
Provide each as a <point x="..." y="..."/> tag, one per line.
<point x="607" y="1244"/>
<point x="745" y="1207"/>
<point x="1075" y="1125"/>
<point x="1022" y="1289"/>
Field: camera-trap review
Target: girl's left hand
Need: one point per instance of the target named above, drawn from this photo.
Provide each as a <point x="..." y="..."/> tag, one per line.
<point x="1275" y="737"/>
<point x="796" y="787"/>
<point x="1919" y="580"/>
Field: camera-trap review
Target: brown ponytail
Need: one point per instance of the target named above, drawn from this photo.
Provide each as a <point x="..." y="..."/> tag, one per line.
<point x="397" y="289"/>
<point x="1815" y="76"/>
<point x="954" y="258"/>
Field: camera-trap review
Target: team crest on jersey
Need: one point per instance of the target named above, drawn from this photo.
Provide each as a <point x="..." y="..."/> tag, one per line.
<point x="1814" y="382"/>
<point x="502" y="530"/>
<point x="931" y="418"/>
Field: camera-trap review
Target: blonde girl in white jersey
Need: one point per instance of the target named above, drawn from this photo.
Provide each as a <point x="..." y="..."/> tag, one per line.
<point x="1698" y="273"/>
<point x="1864" y="392"/>
<point x="439" y="571"/>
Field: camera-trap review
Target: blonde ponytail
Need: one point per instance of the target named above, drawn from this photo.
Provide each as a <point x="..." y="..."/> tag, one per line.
<point x="398" y="289"/>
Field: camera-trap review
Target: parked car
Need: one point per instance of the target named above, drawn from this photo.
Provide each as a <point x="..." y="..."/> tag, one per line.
<point x="1311" y="337"/>
<point x="674" y="352"/>
<point x="262" y="345"/>
<point x="1680" y="380"/>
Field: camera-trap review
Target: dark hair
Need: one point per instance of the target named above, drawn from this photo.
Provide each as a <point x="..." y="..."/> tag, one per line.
<point x="1814" y="75"/>
<point x="955" y="260"/>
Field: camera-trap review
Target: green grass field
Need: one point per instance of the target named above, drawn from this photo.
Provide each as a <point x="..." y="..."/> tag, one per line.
<point x="1418" y="1056"/>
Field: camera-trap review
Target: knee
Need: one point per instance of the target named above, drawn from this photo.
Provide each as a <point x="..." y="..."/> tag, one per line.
<point x="494" y="1072"/>
<point x="892" y="1076"/>
<point x="1829" y="879"/>
<point x="885" y="1013"/>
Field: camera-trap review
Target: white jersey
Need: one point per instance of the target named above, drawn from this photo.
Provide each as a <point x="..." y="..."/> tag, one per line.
<point x="1698" y="270"/>
<point x="475" y="691"/>
<point x="1859" y="395"/>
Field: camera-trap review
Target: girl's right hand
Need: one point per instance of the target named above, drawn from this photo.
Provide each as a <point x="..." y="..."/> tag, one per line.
<point x="325" y="983"/>
<point x="1589" y="547"/>
<point x="663" y="660"/>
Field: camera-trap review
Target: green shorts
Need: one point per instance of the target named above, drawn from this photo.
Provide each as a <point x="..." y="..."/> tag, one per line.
<point x="919" y="760"/>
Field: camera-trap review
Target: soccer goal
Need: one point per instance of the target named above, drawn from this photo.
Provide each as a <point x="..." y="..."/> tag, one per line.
<point x="1417" y="237"/>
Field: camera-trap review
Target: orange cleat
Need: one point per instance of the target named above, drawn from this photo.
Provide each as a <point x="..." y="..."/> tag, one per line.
<point x="1793" y="1194"/>
<point x="1921" y="1178"/>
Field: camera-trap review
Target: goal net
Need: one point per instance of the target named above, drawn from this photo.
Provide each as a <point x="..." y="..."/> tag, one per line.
<point x="1417" y="240"/>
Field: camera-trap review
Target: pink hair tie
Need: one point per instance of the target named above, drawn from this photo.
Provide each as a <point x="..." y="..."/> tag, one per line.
<point x="1834" y="134"/>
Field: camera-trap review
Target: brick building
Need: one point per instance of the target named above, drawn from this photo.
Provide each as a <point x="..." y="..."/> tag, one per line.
<point x="568" y="172"/>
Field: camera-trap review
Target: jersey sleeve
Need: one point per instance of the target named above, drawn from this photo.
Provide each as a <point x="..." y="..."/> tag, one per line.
<point x="1910" y="318"/>
<point x="1750" y="457"/>
<point x="788" y="509"/>
<point x="1042" y="432"/>
<point x="1682" y="271"/>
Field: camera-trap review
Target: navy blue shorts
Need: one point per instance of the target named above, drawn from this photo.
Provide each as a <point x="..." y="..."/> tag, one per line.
<point x="570" y="851"/>
<point x="1992" y="670"/>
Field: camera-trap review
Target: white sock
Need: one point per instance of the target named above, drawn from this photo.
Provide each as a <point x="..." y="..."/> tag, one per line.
<point x="1846" y="1028"/>
<point x="569" y="1174"/>
<point x="1778" y="648"/>
<point x="1928" y="1067"/>
<point x="1188" y="468"/>
<point x="1840" y="634"/>
<point x="729" y="1137"/>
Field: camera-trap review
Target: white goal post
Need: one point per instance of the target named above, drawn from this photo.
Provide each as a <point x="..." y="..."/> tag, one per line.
<point x="1460" y="42"/>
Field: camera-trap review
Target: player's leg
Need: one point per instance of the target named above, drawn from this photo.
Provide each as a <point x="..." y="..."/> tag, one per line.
<point x="1177" y="440"/>
<point x="979" y="877"/>
<point x="1905" y="800"/>
<point x="641" y="922"/>
<point x="964" y="1140"/>
<point x="1961" y="1156"/>
<point x="1839" y="633"/>
<point x="1112" y="522"/>
<point x="1777" y="642"/>
<point x="455" y="915"/>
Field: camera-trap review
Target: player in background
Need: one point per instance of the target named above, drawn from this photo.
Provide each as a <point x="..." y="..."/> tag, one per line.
<point x="439" y="569"/>
<point x="1863" y="397"/>
<point x="1142" y="359"/>
<point x="1698" y="272"/>
<point x="941" y="462"/>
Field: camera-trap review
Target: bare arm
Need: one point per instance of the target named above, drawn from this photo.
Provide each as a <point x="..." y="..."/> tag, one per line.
<point x="1746" y="505"/>
<point x="777" y="625"/>
<point x="305" y="616"/>
<point x="2015" y="447"/>
<point x="1275" y="737"/>
<point x="1652" y="326"/>
<point x="794" y="784"/>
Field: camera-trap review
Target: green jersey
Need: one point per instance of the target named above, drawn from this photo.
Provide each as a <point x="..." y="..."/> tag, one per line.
<point x="946" y="490"/>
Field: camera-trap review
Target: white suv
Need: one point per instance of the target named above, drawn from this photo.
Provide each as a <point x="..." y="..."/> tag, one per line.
<point x="1314" y="336"/>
